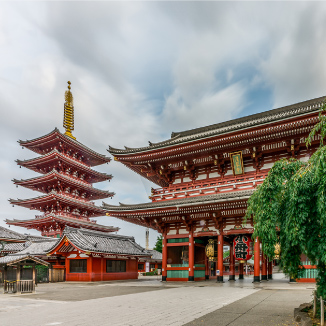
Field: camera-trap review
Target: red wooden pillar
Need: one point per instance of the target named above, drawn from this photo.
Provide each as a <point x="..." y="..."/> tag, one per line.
<point x="257" y="260"/>
<point x="164" y="257"/>
<point x="90" y="273"/>
<point x="264" y="268"/>
<point x="240" y="271"/>
<point x="206" y="268"/>
<point x="191" y="276"/>
<point x="232" y="264"/>
<point x="270" y="270"/>
<point x="102" y="268"/>
<point x="220" y="257"/>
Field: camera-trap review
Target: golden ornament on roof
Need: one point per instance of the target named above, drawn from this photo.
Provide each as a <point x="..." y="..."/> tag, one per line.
<point x="68" y="118"/>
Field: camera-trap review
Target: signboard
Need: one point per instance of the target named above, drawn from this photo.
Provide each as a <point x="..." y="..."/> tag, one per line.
<point x="242" y="247"/>
<point x="211" y="250"/>
<point x="147" y="267"/>
<point x="237" y="163"/>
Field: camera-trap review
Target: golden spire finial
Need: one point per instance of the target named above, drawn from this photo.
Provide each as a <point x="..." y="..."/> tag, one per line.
<point x="68" y="118"/>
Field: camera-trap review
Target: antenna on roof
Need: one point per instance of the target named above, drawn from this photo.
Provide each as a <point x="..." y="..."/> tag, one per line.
<point x="147" y="239"/>
<point x="68" y="117"/>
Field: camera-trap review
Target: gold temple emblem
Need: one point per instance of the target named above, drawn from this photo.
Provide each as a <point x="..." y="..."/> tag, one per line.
<point x="68" y="118"/>
<point x="237" y="163"/>
<point x="211" y="250"/>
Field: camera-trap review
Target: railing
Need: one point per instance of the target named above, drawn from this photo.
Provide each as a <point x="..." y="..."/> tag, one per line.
<point x="209" y="186"/>
<point x="9" y="286"/>
<point x="25" y="286"/>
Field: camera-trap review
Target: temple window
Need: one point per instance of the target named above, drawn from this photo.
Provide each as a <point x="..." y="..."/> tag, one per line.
<point x="115" y="266"/>
<point x="78" y="266"/>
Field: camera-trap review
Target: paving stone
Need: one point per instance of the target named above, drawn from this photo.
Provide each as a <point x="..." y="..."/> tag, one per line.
<point x="151" y="302"/>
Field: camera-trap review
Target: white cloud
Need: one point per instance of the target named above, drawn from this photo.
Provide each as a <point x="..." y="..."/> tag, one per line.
<point x="142" y="70"/>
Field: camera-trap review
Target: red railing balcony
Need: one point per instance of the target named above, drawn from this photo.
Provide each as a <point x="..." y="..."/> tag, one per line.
<point x="209" y="186"/>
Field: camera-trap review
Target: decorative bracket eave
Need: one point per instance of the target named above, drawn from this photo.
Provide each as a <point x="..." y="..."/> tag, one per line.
<point x="187" y="223"/>
<point x="217" y="219"/>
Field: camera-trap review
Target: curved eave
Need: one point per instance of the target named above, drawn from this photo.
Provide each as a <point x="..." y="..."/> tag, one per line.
<point x="72" y="222"/>
<point x="87" y="244"/>
<point x="225" y="128"/>
<point x="55" y="176"/>
<point x="56" y="155"/>
<point x="12" y="240"/>
<point x="58" y="246"/>
<point x="179" y="203"/>
<point x="155" y="178"/>
<point x="52" y="197"/>
<point x="12" y="260"/>
<point x="34" y="145"/>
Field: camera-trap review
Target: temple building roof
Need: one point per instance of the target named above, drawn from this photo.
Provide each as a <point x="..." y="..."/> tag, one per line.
<point x="100" y="242"/>
<point x="39" y="248"/>
<point x="12" y="236"/>
<point x="155" y="255"/>
<point x="13" y="247"/>
<point x="178" y="203"/>
<point x="14" y="259"/>
<point x="223" y="128"/>
<point x="55" y="139"/>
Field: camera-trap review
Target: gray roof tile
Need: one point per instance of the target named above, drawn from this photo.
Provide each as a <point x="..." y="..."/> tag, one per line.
<point x="39" y="248"/>
<point x="96" y="241"/>
<point x="183" y="201"/>
<point x="11" y="259"/>
<point x="6" y="234"/>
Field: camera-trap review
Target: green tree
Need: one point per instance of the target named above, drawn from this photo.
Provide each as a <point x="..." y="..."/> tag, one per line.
<point x="158" y="244"/>
<point x="289" y="208"/>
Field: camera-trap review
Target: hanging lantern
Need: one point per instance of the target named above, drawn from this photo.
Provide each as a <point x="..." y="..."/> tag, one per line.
<point x="242" y="247"/>
<point x="211" y="250"/>
<point x="277" y="251"/>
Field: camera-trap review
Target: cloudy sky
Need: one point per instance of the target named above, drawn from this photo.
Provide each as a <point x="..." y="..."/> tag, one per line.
<point x="140" y="70"/>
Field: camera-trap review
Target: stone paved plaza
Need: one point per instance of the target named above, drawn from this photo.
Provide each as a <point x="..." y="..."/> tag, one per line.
<point x="148" y="301"/>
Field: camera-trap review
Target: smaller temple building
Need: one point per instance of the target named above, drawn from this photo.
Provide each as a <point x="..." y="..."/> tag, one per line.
<point x="81" y="255"/>
<point x="152" y="263"/>
<point x="98" y="256"/>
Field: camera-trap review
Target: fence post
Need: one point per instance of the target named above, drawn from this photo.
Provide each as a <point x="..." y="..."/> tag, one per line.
<point x="315" y="305"/>
<point x="322" y="321"/>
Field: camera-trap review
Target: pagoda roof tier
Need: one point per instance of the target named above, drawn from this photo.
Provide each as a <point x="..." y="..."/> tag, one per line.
<point x="42" y="164"/>
<point x="53" y="179"/>
<point x="55" y="139"/>
<point x="282" y="124"/>
<point x="155" y="214"/>
<point x="59" y="201"/>
<point x="55" y="221"/>
<point x="89" y="241"/>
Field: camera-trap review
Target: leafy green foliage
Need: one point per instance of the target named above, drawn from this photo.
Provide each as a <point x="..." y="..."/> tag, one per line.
<point x="290" y="208"/>
<point x="158" y="244"/>
<point x="320" y="127"/>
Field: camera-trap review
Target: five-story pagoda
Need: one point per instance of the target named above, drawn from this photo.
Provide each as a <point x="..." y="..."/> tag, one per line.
<point x="66" y="181"/>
